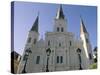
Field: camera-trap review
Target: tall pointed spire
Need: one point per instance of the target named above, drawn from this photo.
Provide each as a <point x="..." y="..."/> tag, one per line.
<point x="60" y="13"/>
<point x="35" y="25"/>
<point x="83" y="29"/>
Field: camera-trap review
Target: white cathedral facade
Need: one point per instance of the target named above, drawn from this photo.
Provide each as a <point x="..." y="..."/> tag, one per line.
<point x="59" y="51"/>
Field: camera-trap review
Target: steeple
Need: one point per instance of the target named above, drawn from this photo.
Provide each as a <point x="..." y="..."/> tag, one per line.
<point x="35" y="25"/>
<point x="83" y="29"/>
<point x="60" y="13"/>
<point x="84" y="36"/>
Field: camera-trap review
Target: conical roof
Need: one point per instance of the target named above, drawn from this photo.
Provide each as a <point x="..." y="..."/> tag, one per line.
<point x="35" y="25"/>
<point x="83" y="28"/>
<point x="60" y="13"/>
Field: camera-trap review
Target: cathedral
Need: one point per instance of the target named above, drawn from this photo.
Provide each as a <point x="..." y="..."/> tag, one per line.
<point x="59" y="51"/>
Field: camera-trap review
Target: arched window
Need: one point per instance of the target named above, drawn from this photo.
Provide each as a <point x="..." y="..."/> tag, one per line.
<point x="61" y="59"/>
<point x="70" y="43"/>
<point x="57" y="59"/>
<point x="34" y="41"/>
<point x="57" y="29"/>
<point x="29" y="40"/>
<point x="62" y="29"/>
<point x="38" y="60"/>
<point x="59" y="44"/>
<point x="49" y="43"/>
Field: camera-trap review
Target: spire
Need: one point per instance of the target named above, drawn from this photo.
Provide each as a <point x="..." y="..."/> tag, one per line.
<point x="35" y="25"/>
<point x="83" y="29"/>
<point x="60" y="13"/>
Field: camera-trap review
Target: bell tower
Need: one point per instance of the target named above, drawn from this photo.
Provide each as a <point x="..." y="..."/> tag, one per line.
<point x="31" y="41"/>
<point x="84" y="35"/>
<point x="33" y="34"/>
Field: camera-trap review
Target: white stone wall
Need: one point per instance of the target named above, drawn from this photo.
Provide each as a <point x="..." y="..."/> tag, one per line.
<point x="61" y="44"/>
<point x="87" y="47"/>
<point x="31" y="35"/>
<point x="70" y="57"/>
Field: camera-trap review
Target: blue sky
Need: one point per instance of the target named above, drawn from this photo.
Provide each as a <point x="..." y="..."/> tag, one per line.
<point x="25" y="14"/>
